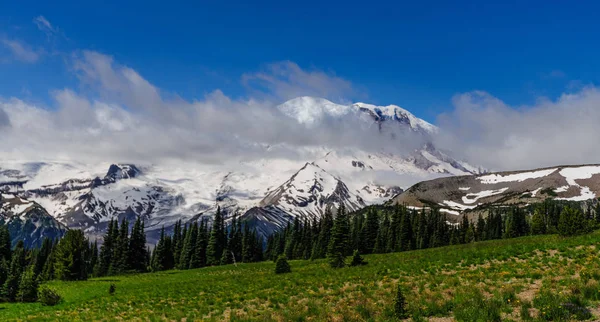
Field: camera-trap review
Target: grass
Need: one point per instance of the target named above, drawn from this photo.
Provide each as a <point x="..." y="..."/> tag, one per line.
<point x="530" y="278"/>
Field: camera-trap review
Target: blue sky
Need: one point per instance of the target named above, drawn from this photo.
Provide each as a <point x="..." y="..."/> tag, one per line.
<point x="416" y="55"/>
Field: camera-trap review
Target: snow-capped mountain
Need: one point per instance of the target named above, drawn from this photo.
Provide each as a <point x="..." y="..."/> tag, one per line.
<point x="311" y="110"/>
<point x="27" y="220"/>
<point x="469" y="194"/>
<point x="267" y="191"/>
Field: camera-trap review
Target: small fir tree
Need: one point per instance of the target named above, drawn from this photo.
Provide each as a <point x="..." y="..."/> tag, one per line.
<point x="28" y="287"/>
<point x="282" y="266"/>
<point x="400" y="304"/>
<point x="357" y="260"/>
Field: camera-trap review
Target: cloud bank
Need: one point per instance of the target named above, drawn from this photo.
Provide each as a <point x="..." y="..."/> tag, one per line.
<point x="485" y="130"/>
<point x="118" y="115"/>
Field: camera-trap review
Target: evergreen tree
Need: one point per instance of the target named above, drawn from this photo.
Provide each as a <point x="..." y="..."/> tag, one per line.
<point x="216" y="241"/>
<point x="137" y="247"/>
<point x="538" y="226"/>
<point x="357" y="260"/>
<point x="5" y="242"/>
<point x="400" y="304"/>
<point x="17" y="265"/>
<point x="41" y="256"/>
<point x="572" y="222"/>
<point x="480" y="232"/>
<point x="282" y="266"/>
<point x="370" y="232"/>
<point x="177" y="242"/>
<point x="338" y="244"/>
<point x="107" y="250"/>
<point x="194" y="260"/>
<point x="69" y="256"/>
<point x="405" y="237"/>
<point x="385" y="239"/>
<point x="202" y="243"/>
<point x="28" y="286"/>
<point x="4" y="270"/>
<point x="120" y="262"/>
<point x="159" y="254"/>
<point x="324" y="234"/>
<point x="189" y="246"/>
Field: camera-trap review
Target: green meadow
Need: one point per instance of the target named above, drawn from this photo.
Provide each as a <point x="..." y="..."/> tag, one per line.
<point x="537" y="278"/>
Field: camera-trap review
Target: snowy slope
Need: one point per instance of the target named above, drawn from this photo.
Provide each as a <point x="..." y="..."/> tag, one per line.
<point x="461" y="194"/>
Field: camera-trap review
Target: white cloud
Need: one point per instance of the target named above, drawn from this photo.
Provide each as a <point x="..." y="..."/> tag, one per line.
<point x="121" y="116"/>
<point x="20" y="50"/>
<point x="44" y="25"/>
<point x="286" y="80"/>
<point x="489" y="132"/>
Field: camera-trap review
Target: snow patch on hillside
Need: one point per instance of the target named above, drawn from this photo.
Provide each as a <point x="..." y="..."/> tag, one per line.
<point x="473" y="197"/>
<point x="517" y="177"/>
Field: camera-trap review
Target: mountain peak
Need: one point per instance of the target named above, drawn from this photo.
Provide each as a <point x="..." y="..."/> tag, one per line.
<point x="122" y="171"/>
<point x="311" y="110"/>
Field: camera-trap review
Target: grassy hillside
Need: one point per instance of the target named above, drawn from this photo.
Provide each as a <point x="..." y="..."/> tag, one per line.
<point x="540" y="277"/>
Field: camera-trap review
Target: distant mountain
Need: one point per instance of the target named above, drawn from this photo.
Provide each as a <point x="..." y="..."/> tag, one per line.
<point x="269" y="191"/>
<point x="470" y="194"/>
<point x="28" y="221"/>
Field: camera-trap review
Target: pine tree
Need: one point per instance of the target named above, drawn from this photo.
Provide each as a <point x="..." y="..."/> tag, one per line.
<point x="480" y="232"/>
<point x="69" y="256"/>
<point x="216" y="241"/>
<point x="94" y="259"/>
<point x="159" y="254"/>
<point x="571" y="222"/>
<point x="28" y="286"/>
<point x="538" y="226"/>
<point x="400" y="304"/>
<point x="282" y="266"/>
<point x="107" y="250"/>
<point x="41" y="256"/>
<point x="177" y="242"/>
<point x="17" y="265"/>
<point x="137" y="247"/>
<point x="201" y="243"/>
<point x="405" y="237"/>
<point x="120" y="262"/>
<point x="357" y="260"/>
<point x="324" y="234"/>
<point x="4" y="270"/>
<point x="5" y="242"/>
<point x="189" y="246"/>
<point x="194" y="260"/>
<point x="338" y="244"/>
<point x="370" y="232"/>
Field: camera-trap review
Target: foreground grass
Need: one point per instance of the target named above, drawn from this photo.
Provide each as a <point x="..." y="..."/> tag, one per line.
<point x="530" y="278"/>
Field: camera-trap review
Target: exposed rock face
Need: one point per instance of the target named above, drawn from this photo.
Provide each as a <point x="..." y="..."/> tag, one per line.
<point x="460" y="194"/>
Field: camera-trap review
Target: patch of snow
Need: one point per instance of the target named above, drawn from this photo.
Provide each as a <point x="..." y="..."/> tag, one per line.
<point x="456" y="205"/>
<point x="452" y="212"/>
<point x="573" y="174"/>
<point x="517" y="177"/>
<point x="535" y="192"/>
<point x="464" y="188"/>
<point x="561" y="189"/>
<point x="473" y="197"/>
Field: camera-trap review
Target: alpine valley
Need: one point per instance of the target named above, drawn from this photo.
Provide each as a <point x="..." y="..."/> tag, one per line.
<point x="43" y="198"/>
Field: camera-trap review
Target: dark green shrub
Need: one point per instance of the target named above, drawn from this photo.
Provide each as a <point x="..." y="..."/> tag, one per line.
<point x="48" y="296"/>
<point x="282" y="266"/>
<point x="400" y="304"/>
<point x="111" y="289"/>
<point x="357" y="260"/>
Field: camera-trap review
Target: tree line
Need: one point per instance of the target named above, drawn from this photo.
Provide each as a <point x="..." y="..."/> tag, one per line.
<point x="198" y="245"/>
<point x="384" y="229"/>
